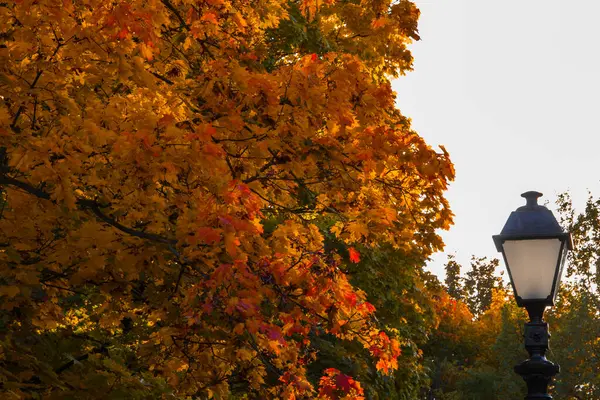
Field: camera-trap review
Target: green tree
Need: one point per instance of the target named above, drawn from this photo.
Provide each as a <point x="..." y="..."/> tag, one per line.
<point x="454" y="281"/>
<point x="575" y="322"/>
<point x="394" y="281"/>
<point x="480" y="282"/>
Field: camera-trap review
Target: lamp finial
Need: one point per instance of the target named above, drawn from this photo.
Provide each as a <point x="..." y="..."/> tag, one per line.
<point x="531" y="198"/>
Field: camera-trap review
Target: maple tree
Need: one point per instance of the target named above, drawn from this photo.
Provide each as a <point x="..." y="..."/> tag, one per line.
<point x="394" y="282"/>
<point x="169" y="170"/>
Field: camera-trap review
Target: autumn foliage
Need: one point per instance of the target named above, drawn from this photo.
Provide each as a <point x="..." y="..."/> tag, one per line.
<point x="169" y="173"/>
<point x="336" y="386"/>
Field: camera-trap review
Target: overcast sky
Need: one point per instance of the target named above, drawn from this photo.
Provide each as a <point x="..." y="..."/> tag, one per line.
<point x="511" y="88"/>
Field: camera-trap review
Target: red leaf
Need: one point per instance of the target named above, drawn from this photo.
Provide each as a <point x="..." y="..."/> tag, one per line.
<point x="354" y="255"/>
<point x="221" y="273"/>
<point x="369" y="307"/>
<point x="123" y="33"/>
<point x="351" y="298"/>
<point x="208" y="235"/>
<point x="344" y="382"/>
<point x="209" y="131"/>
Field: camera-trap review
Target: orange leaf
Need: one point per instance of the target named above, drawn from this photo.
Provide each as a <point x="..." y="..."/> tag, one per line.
<point x="166" y="120"/>
<point x="210" y="17"/>
<point x="213" y="149"/>
<point x="378" y="23"/>
<point x="231" y="244"/>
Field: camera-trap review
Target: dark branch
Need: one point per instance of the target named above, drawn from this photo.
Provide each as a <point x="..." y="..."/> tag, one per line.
<point x="13" y="125"/>
<point x="5" y="180"/>
<point x="62" y="288"/>
<point x="174" y="10"/>
<point x="162" y="78"/>
<point x="64" y="367"/>
<point x="95" y="208"/>
<point x="86" y="204"/>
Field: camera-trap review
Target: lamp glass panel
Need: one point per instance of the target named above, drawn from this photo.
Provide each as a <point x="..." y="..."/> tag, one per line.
<point x="563" y="258"/>
<point x="532" y="265"/>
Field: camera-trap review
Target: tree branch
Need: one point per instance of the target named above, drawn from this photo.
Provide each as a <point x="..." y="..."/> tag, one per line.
<point x="95" y="208"/>
<point x="66" y="366"/>
<point x="162" y="78"/>
<point x="86" y="204"/>
<point x="62" y="288"/>
<point x="174" y="10"/>
<point x="13" y="125"/>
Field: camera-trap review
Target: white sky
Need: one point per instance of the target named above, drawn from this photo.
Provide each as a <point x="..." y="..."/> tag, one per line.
<point x="511" y="88"/>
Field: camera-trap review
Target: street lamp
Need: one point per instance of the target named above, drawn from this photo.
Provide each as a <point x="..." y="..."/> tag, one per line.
<point x="534" y="247"/>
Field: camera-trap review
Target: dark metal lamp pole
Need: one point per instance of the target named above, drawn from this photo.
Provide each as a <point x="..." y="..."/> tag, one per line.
<point x="537" y="371"/>
<point x="534" y="247"/>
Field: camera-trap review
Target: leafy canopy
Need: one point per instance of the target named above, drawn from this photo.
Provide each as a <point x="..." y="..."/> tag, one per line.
<point x="169" y="170"/>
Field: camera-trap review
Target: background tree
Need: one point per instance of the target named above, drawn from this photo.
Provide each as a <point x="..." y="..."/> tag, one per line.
<point x="467" y="350"/>
<point x="473" y="357"/>
<point x="454" y="281"/>
<point x="476" y="288"/>
<point x="495" y="335"/>
<point x="480" y="282"/>
<point x="575" y="321"/>
<point x="171" y="171"/>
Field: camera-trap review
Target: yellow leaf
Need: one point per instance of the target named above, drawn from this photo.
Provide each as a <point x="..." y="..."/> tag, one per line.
<point x="357" y="230"/>
<point x="187" y="43"/>
<point x="147" y="51"/>
<point x="245" y="354"/>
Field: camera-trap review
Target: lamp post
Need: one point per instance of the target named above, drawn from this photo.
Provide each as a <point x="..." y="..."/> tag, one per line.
<point x="534" y="248"/>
